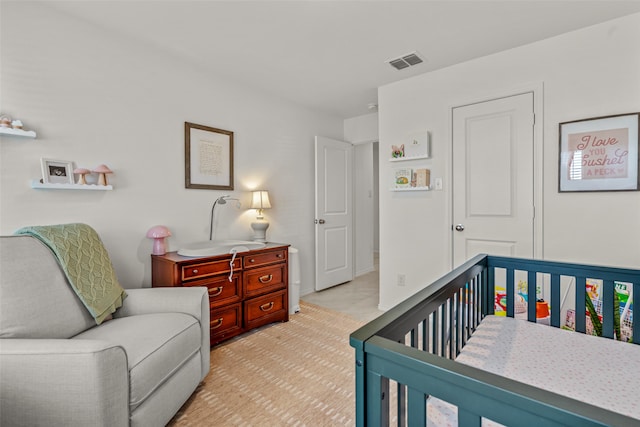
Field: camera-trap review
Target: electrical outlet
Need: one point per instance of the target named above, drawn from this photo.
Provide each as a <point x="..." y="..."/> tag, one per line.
<point x="438" y="183"/>
<point x="401" y="279"/>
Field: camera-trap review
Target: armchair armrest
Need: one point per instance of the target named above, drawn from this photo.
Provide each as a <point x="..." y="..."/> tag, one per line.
<point x="63" y="382"/>
<point x="191" y="300"/>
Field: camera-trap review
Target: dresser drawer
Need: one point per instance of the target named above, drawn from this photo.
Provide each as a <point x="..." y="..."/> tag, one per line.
<point x="225" y="322"/>
<point x="200" y="270"/>
<point x="266" y="309"/>
<point x="262" y="280"/>
<point x="257" y="260"/>
<point x="221" y="290"/>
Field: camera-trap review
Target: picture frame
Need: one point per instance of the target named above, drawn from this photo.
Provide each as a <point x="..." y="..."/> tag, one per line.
<point x="418" y="146"/>
<point x="599" y="154"/>
<point x="208" y="157"/>
<point x="57" y="171"/>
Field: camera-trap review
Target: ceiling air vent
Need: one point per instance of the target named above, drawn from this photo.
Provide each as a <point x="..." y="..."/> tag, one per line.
<point x="405" y="61"/>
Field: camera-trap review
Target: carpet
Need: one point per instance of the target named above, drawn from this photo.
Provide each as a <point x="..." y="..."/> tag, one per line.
<point x="298" y="373"/>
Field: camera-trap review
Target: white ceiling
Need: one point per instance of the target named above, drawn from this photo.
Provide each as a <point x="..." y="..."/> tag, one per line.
<point x="330" y="55"/>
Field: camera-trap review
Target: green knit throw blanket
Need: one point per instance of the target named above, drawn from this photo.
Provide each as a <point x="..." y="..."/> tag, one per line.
<point x="86" y="264"/>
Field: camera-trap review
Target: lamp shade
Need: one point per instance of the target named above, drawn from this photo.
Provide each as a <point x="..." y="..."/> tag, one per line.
<point x="260" y="200"/>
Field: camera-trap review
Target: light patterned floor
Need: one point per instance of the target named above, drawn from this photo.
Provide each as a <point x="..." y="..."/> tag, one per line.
<point x="358" y="298"/>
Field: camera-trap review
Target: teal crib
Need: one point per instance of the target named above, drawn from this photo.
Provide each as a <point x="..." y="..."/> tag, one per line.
<point x="409" y="355"/>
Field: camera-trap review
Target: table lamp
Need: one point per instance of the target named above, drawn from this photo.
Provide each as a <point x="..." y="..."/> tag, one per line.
<point x="260" y="201"/>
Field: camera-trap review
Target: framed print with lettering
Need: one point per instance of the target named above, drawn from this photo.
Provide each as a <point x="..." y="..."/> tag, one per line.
<point x="600" y="154"/>
<point x="56" y="171"/>
<point x="208" y="157"/>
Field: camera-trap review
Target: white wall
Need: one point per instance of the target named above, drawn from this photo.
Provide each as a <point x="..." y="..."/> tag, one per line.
<point x="98" y="97"/>
<point x="587" y="73"/>
<point x="364" y="214"/>
<point x="362" y="131"/>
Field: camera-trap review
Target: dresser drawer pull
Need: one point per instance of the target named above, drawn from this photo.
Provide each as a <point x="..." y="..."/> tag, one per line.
<point x="266" y="278"/>
<point x="252" y="260"/>
<point x="214" y="292"/>
<point x="266" y="307"/>
<point x="218" y="323"/>
<point x="279" y="255"/>
<point x="194" y="271"/>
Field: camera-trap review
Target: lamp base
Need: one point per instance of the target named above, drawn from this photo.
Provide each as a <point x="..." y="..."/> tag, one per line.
<point x="260" y="231"/>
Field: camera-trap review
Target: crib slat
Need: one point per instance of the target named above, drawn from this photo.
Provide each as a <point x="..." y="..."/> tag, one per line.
<point x="400" y="404"/>
<point x="581" y="283"/>
<point x="450" y="328"/>
<point x="468" y="311"/>
<point x="636" y="322"/>
<point x="532" y="296"/>
<point x="555" y="300"/>
<point x="457" y="320"/>
<point x="434" y="332"/>
<point x="607" y="308"/>
<point x="478" y="303"/>
<point x="425" y="335"/>
<point x="468" y="419"/>
<point x="490" y="295"/>
<point x="417" y="416"/>
<point x="443" y="330"/>
<point x="413" y="341"/>
<point x="377" y="399"/>
<point x="472" y="304"/>
<point x="510" y="292"/>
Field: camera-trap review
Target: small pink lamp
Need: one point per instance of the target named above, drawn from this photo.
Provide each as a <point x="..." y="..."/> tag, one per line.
<point x="158" y="233"/>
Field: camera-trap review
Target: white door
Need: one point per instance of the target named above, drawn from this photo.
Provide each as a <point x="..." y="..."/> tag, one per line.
<point x="334" y="212"/>
<point x="493" y="178"/>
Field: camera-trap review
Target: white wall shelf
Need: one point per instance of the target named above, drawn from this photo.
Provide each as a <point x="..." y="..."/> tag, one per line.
<point x="404" y="159"/>
<point x="17" y="132"/>
<point x="411" y="189"/>
<point x="39" y="185"/>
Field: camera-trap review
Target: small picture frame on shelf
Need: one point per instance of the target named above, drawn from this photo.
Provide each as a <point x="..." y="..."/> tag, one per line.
<point x="57" y="171"/>
<point x="397" y="151"/>
<point x="418" y="146"/>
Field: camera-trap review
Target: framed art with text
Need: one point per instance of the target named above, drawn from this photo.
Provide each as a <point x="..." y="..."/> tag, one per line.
<point x="599" y="154"/>
<point x="208" y="157"/>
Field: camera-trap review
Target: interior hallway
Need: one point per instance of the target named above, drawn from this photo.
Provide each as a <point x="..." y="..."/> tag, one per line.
<point x="358" y="298"/>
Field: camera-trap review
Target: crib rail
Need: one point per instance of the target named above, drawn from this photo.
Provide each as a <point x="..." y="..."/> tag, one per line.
<point x="408" y="353"/>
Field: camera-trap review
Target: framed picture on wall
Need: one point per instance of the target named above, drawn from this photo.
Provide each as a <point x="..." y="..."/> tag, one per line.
<point x="208" y="157"/>
<point x="56" y="171"/>
<point x="600" y="154"/>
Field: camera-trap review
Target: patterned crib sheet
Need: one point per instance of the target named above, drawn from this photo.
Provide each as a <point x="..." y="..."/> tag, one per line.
<point x="598" y="371"/>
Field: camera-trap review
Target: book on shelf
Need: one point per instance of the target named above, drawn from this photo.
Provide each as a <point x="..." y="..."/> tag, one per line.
<point x="422" y="177"/>
<point x="403" y="177"/>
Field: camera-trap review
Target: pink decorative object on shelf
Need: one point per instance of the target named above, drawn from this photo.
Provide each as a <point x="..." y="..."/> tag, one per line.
<point x="82" y="172"/>
<point x="158" y="233"/>
<point x="103" y="170"/>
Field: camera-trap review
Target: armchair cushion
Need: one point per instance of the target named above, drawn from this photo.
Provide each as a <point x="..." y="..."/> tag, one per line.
<point x="156" y="345"/>
<point x="36" y="300"/>
<point x="62" y="383"/>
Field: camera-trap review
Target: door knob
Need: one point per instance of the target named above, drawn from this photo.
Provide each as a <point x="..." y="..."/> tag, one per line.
<point x="319" y="221"/>
<point x="459" y="227"/>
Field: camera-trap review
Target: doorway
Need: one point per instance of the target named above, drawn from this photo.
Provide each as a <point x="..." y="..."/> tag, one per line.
<point x="493" y="164"/>
<point x="333" y="212"/>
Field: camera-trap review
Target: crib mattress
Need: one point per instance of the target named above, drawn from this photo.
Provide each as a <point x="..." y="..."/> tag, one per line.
<point x="598" y="371"/>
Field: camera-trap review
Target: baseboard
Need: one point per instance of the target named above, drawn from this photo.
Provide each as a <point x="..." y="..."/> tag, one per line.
<point x="365" y="271"/>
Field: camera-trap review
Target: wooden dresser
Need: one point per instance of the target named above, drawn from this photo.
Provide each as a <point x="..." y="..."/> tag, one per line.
<point x="251" y="292"/>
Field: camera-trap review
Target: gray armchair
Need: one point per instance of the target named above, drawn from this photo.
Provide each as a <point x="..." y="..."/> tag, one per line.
<point x="58" y="368"/>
